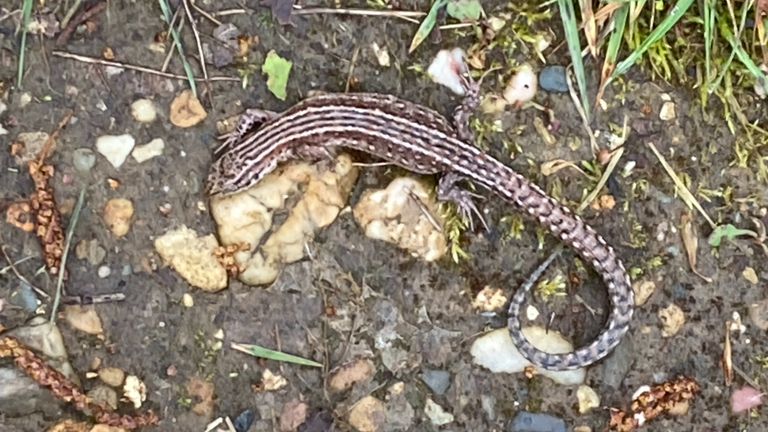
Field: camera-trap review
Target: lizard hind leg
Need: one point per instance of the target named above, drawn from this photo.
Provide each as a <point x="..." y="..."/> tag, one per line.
<point x="249" y="121"/>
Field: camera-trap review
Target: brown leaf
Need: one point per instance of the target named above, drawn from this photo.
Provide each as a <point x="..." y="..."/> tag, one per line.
<point x="691" y="243"/>
<point x="727" y="360"/>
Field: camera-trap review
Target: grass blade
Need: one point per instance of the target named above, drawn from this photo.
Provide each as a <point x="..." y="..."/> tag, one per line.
<point x="677" y="12"/>
<point x="67" y="245"/>
<point x="177" y="42"/>
<point x="614" y="43"/>
<point x="426" y="25"/>
<point x="259" y="351"/>
<point x="26" y="12"/>
<point x="571" y="28"/>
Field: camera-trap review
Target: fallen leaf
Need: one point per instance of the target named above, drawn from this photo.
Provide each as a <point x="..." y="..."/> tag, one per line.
<point x="691" y="243"/>
<point x="727" y="360"/>
<point x="426" y="26"/>
<point x="729" y="232"/>
<point x="464" y="10"/>
<point x="277" y="70"/>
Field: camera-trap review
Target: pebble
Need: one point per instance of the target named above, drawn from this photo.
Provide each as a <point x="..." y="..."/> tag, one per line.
<point x="437" y="380"/>
<point x="83" y="159"/>
<point x="437" y="414"/>
<point x="587" y="398"/>
<point x="535" y="422"/>
<point x="522" y="87"/>
<point x="497" y="352"/>
<point x="103" y="271"/>
<point x="187" y="300"/>
<point x="368" y="414"/>
<point x="117" y="215"/>
<point x="144" y="111"/>
<point x="112" y="376"/>
<point x="667" y="112"/>
<point x="552" y="79"/>
<point x="149" y="150"/>
<point x="115" y="148"/>
<point x="758" y="314"/>
<point x="127" y="270"/>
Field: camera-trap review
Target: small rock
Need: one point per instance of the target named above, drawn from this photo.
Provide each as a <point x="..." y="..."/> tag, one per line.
<point x="643" y="290"/>
<point x="104" y="395"/>
<point x="535" y="422"/>
<point x="84" y="319"/>
<point x="135" y="391"/>
<point x="436" y="414"/>
<point x="103" y="272"/>
<point x="344" y="377"/>
<point x="127" y="270"/>
<point x="31" y="145"/>
<point x="186" y="110"/>
<point x="444" y="67"/>
<point x="187" y="300"/>
<point x="149" y="150"/>
<point x="271" y="381"/>
<point x="244" y="421"/>
<point x="91" y="251"/>
<point x="294" y="414"/>
<point x="750" y="275"/>
<point x="368" y="415"/>
<point x="83" y="159"/>
<point x="112" y="376"/>
<point x="144" y="111"/>
<point x="489" y="299"/>
<point x="193" y="258"/>
<point x="522" y="87"/>
<point x="115" y="148"/>
<point x="437" y="380"/>
<point x="117" y="215"/>
<point x="672" y="320"/>
<point x="382" y="55"/>
<point x="667" y="112"/>
<point x="758" y="313"/>
<point x="587" y="398"/>
<point x="553" y="79"/>
<point x="497" y="352"/>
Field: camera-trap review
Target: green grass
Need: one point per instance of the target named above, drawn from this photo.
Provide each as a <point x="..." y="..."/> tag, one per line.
<point x="25" y="14"/>
<point x="168" y="17"/>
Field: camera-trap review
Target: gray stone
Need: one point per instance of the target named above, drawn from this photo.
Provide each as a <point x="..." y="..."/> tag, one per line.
<point x="535" y="422"/>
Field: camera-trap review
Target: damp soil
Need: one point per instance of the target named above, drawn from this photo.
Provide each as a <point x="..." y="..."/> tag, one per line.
<point x="151" y="332"/>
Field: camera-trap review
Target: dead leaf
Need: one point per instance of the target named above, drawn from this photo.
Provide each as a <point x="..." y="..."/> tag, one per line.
<point x="344" y="377"/>
<point x="727" y="361"/>
<point x="691" y="243"/>
<point x="186" y="110"/>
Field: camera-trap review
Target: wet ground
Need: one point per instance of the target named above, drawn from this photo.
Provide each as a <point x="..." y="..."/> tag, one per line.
<point x="334" y="307"/>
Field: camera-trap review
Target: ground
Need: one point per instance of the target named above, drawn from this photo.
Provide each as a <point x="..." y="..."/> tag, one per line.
<point x="373" y="283"/>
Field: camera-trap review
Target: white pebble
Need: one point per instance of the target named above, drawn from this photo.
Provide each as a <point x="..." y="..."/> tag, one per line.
<point x="522" y="87"/>
<point x="187" y="300"/>
<point x="144" y="111"/>
<point x="667" y="112"/>
<point x="149" y="150"/>
<point x="445" y="69"/>
<point x="496" y="352"/>
<point x="115" y="148"/>
<point x="103" y="271"/>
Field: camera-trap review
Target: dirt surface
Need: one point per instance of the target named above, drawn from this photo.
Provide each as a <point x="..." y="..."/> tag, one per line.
<point x="333" y="308"/>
